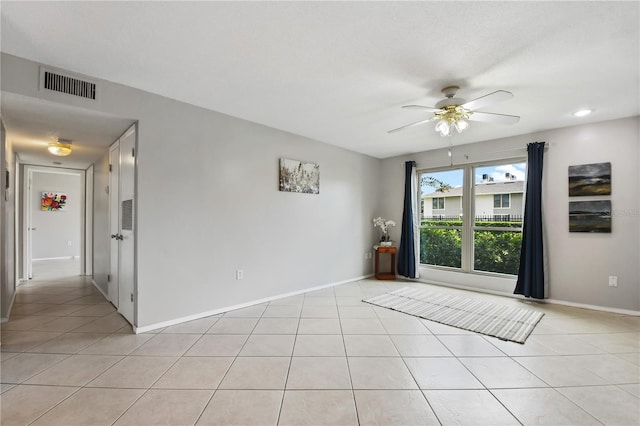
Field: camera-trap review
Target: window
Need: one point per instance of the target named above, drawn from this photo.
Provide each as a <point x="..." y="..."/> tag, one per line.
<point x="501" y="201"/>
<point x="438" y="203"/>
<point x="484" y="240"/>
<point x="441" y="235"/>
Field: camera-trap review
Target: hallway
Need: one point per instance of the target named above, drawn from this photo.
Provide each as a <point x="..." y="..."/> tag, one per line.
<point x="51" y="306"/>
<point x="55" y="269"/>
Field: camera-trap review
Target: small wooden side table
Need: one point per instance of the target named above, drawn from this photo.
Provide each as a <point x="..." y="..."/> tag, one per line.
<point x="389" y="274"/>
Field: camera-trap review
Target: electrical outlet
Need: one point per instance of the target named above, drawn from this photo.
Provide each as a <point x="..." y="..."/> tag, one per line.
<point x="239" y="274"/>
<point x="69" y="243"/>
<point x="613" y="281"/>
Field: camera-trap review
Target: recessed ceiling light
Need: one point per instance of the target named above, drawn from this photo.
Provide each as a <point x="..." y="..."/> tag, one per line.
<point x="582" y="113"/>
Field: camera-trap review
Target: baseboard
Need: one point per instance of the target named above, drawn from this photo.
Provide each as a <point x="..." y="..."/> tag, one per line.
<point x="516" y="296"/>
<point x="176" y="321"/>
<point x="592" y="307"/>
<point x="56" y="258"/>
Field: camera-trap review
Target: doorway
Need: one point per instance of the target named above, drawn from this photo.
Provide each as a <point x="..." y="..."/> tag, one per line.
<point x="54" y="211"/>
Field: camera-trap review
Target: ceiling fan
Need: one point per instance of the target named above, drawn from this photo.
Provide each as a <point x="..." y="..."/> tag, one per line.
<point x="454" y="113"/>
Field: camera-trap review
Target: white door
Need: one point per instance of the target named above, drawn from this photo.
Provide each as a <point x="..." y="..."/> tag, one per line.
<point x="126" y="279"/>
<point x="114" y="221"/>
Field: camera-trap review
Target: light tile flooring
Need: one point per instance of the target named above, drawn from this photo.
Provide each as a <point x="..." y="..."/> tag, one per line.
<point x="323" y="358"/>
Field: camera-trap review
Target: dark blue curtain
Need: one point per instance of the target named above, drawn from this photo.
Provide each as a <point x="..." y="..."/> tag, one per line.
<point x="406" y="251"/>
<point x="531" y="273"/>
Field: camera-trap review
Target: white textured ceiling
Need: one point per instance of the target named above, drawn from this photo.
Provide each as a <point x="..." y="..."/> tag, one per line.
<point x="338" y="72"/>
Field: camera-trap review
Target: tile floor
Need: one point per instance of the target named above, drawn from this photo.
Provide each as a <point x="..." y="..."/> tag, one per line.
<point x="323" y="358"/>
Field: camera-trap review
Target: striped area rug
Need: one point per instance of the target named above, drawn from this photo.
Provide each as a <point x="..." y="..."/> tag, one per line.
<point x="504" y="322"/>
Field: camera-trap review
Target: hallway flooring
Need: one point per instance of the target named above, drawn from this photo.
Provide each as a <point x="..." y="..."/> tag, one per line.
<point x="319" y="358"/>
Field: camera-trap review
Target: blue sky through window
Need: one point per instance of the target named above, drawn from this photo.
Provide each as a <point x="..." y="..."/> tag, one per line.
<point x="498" y="172"/>
<point x="454" y="177"/>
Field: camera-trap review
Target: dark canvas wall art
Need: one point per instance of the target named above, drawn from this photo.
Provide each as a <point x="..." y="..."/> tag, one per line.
<point x="590" y="179"/>
<point x="590" y="216"/>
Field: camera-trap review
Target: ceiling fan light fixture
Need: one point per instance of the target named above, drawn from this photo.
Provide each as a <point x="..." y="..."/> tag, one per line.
<point x="443" y="127"/>
<point x="461" y="125"/>
<point x="453" y="112"/>
<point x="452" y="116"/>
<point x="58" y="148"/>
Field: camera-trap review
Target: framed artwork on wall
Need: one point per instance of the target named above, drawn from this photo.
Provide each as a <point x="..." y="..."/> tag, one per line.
<point x="590" y="216"/>
<point x="298" y="176"/>
<point x="53" y="201"/>
<point x="590" y="179"/>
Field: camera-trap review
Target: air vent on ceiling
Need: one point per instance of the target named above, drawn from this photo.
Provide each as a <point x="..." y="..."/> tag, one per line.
<point x="58" y="82"/>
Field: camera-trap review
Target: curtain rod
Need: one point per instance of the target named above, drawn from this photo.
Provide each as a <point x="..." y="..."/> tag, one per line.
<point x="466" y="156"/>
<point x="546" y="148"/>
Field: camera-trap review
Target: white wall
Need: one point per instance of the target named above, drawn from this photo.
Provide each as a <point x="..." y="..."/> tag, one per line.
<point x="7" y="226"/>
<point x="583" y="262"/>
<point x="579" y="264"/>
<point x="58" y="233"/>
<point x="200" y="176"/>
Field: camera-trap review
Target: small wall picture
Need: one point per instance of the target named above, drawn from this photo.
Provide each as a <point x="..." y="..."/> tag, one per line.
<point x="590" y="179"/>
<point x="297" y="176"/>
<point x="53" y="201"/>
<point x="590" y="216"/>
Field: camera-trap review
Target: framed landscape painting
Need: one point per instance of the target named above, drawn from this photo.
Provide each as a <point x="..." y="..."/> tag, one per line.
<point x="297" y="176"/>
<point x="590" y="179"/>
<point x="590" y="216"/>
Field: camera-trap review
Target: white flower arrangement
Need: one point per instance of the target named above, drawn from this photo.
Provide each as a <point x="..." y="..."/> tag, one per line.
<point x="384" y="226"/>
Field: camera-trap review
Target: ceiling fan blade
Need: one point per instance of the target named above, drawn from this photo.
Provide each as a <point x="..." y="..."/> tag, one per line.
<point x="410" y="125"/>
<point x="491" y="98"/>
<point x="420" y="107"/>
<point x="488" y="117"/>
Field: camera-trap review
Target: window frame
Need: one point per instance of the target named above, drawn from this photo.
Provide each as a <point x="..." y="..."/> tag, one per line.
<point x="469" y="226"/>
<point x="455" y="227"/>
<point x="438" y="208"/>
<point x="501" y="195"/>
